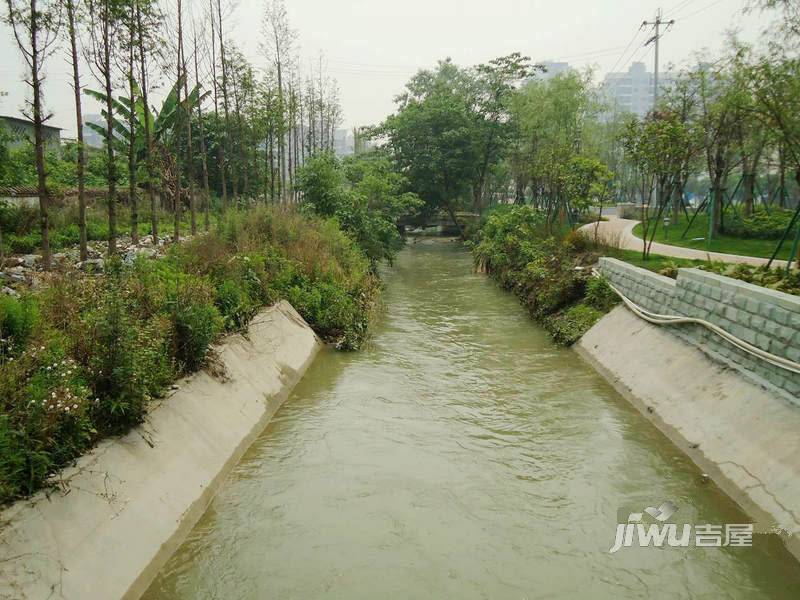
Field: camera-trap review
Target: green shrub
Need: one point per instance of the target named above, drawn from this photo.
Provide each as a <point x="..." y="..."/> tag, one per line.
<point x="19" y="219"/>
<point x="235" y="304"/>
<point x="23" y="244"/>
<point x="567" y="327"/>
<point x="516" y="248"/>
<point x="114" y="341"/>
<point x="761" y="224"/>
<point x="18" y="317"/>
<point x="127" y="360"/>
<point x="45" y="415"/>
<point x="775" y="278"/>
<point x="599" y="294"/>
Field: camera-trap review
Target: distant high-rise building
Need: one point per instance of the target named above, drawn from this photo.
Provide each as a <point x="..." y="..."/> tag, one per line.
<point x="632" y="91"/>
<point x="343" y="142"/>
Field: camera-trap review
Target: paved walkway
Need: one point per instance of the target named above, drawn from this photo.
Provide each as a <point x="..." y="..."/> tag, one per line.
<point x="618" y="232"/>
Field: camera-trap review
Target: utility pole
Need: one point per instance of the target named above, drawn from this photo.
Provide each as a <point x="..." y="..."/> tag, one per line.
<point x="654" y="40"/>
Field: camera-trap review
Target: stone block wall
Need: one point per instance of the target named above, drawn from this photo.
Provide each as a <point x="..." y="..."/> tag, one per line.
<point x="647" y="289"/>
<point x="765" y="318"/>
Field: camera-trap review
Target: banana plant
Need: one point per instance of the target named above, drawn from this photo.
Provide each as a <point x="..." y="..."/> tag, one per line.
<point x="162" y="122"/>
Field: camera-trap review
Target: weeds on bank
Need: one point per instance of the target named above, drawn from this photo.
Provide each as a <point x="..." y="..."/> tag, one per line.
<point x="549" y="274"/>
<point x="82" y="358"/>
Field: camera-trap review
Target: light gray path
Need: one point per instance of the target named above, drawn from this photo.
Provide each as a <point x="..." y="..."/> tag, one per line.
<point x="619" y="233"/>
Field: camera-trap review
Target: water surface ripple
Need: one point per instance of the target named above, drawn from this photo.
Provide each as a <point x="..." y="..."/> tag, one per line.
<point x="461" y="455"/>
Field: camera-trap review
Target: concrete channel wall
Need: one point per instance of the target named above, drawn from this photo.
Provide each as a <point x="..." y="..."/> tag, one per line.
<point x="745" y="437"/>
<point x="765" y="318"/>
<point x="119" y="514"/>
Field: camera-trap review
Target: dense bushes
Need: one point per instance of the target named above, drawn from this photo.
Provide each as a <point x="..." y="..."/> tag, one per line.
<point x="82" y="357"/>
<point x="516" y="248"/>
<point x="365" y="194"/>
<point x="761" y="224"/>
<point x="567" y="327"/>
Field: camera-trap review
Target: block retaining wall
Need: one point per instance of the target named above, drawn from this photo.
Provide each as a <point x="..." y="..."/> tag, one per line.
<point x="765" y="318"/>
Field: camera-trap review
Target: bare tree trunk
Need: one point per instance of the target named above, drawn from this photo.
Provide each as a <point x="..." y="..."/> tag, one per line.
<point x="151" y="192"/>
<point x="782" y="175"/>
<point x="225" y="104"/>
<point x="177" y="214"/>
<point x="132" y="190"/>
<point x="206" y="190"/>
<point x="272" y="167"/>
<point x="81" y="162"/>
<point x="111" y="167"/>
<point x="38" y="121"/>
<point x="189" y="152"/>
<point x="220" y="143"/>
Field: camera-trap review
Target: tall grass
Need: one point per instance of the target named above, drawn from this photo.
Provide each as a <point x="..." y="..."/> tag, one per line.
<point x="83" y="356"/>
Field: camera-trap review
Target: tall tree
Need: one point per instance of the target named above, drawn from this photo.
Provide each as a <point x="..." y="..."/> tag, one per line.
<point x="221" y="137"/>
<point x="146" y="28"/>
<point x="495" y="84"/>
<point x="225" y="93"/>
<point x="133" y="93"/>
<point x="178" y="126"/>
<point x="80" y="168"/>
<point x="203" y="158"/>
<point x="716" y="120"/>
<point x="278" y="48"/>
<point x="35" y="25"/>
<point x="432" y="137"/>
<point x="104" y="16"/>
<point x="189" y="150"/>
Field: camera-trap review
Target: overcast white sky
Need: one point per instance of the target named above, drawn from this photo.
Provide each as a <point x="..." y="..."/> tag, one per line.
<point x="373" y="46"/>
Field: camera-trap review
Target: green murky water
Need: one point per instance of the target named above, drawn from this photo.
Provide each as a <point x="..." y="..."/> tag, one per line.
<point x="461" y="456"/>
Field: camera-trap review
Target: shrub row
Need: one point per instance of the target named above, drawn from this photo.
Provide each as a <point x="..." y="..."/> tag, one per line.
<point x="82" y="357"/>
<point x="545" y="271"/>
<point x="761" y="224"/>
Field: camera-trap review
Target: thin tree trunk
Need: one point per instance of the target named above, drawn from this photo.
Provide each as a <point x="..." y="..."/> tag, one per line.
<point x="38" y="121"/>
<point x="189" y="152"/>
<point x="225" y="104"/>
<point x="220" y="142"/>
<point x="204" y="161"/>
<point x="148" y="135"/>
<point x="111" y="167"/>
<point x="782" y="174"/>
<point x="132" y="191"/>
<point x="177" y="175"/>
<point x="81" y="162"/>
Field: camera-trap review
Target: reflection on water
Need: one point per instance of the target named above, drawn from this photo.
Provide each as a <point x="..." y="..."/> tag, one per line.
<point x="461" y="455"/>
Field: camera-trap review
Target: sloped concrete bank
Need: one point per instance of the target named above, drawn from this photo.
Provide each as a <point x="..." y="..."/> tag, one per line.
<point x="746" y="436"/>
<point x="128" y="504"/>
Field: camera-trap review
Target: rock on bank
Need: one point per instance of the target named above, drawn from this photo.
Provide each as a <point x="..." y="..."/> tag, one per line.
<point x="128" y="504"/>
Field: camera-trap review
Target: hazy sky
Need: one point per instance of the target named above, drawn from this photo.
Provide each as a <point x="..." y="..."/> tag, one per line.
<point x="373" y="46"/>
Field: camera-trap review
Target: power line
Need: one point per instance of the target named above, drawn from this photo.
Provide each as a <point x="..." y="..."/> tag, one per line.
<point x="706" y="7"/>
<point x="679" y="7"/>
<point x="625" y="51"/>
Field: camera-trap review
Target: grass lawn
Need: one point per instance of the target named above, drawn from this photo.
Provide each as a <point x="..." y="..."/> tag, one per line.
<point x="656" y="262"/>
<point x="722" y="243"/>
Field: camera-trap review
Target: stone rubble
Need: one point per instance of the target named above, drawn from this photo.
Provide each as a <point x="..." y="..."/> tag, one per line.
<point x="21" y="271"/>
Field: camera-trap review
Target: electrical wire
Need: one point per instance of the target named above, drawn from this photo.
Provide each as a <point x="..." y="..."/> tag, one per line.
<point x="678" y="7"/>
<point x="625" y="51"/>
<point x="706" y="7"/>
